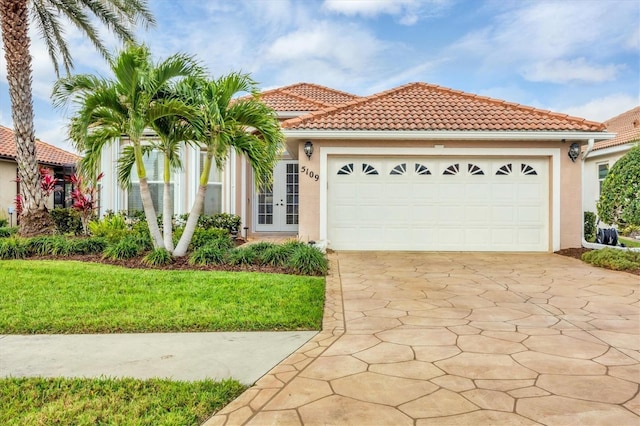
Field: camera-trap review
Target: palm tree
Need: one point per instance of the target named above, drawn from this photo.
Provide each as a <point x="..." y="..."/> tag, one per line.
<point x="245" y="125"/>
<point x="128" y="104"/>
<point x="119" y="16"/>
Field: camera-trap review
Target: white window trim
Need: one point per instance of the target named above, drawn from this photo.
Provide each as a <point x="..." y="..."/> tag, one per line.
<point x="554" y="168"/>
<point x="601" y="163"/>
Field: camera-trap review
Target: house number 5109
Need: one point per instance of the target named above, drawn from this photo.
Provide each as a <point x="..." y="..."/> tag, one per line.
<point x="313" y="175"/>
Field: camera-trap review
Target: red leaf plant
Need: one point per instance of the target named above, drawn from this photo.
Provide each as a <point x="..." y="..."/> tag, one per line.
<point x="48" y="182"/>
<point x="85" y="198"/>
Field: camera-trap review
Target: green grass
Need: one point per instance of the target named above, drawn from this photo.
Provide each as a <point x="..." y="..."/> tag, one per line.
<point x="40" y="297"/>
<point x="629" y="242"/>
<point x="37" y="401"/>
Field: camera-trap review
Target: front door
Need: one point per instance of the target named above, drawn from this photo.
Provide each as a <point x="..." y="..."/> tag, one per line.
<point x="276" y="205"/>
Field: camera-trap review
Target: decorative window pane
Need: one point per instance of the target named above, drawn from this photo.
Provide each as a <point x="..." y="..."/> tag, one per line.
<point x="474" y="170"/>
<point x="213" y="199"/>
<point x="292" y="194"/>
<point x="505" y="170"/>
<point x="347" y="169"/>
<point x="421" y="169"/>
<point x="400" y="169"/>
<point x="368" y="169"/>
<point x="603" y="171"/>
<point x="527" y="169"/>
<point x="453" y="169"/>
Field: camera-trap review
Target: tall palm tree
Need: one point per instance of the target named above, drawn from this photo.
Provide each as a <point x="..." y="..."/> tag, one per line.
<point x="245" y="125"/>
<point x="128" y="104"/>
<point x="119" y="16"/>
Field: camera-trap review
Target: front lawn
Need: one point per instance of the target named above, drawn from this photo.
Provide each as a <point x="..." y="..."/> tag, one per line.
<point x="51" y="297"/>
<point x="37" y="401"/>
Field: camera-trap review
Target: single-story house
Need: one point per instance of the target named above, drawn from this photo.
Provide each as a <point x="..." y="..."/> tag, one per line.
<point x="417" y="167"/>
<point x="58" y="161"/>
<point x="605" y="153"/>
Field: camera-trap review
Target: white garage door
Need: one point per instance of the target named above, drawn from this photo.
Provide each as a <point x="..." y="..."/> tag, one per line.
<point x="448" y="204"/>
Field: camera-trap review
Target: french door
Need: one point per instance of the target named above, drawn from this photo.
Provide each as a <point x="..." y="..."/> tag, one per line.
<point x="276" y="204"/>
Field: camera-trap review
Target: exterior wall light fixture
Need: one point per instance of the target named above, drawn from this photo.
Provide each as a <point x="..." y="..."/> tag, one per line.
<point x="574" y="151"/>
<point x="308" y="149"/>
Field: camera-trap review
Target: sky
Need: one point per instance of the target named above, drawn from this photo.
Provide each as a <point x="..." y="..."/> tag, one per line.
<point x="579" y="57"/>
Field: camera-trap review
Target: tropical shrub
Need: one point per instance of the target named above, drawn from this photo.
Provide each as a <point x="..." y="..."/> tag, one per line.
<point x="112" y="227"/>
<point x="3" y="222"/>
<point x="275" y="256"/>
<point x="6" y="231"/>
<point x="619" y="260"/>
<point x="124" y="249"/>
<point x="589" y="226"/>
<point x="89" y="245"/>
<point x="619" y="202"/>
<point x="67" y="221"/>
<point x="241" y="256"/>
<point x="204" y="236"/>
<point x="279" y="254"/>
<point x="49" y="245"/>
<point x="230" y="222"/>
<point x="158" y="257"/>
<point x="208" y="255"/>
<point x="60" y="246"/>
<point x="630" y="231"/>
<point x="13" y="248"/>
<point x="260" y="248"/>
<point x="308" y="260"/>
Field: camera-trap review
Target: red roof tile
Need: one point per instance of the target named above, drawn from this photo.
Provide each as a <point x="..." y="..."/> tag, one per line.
<point x="304" y="97"/>
<point x="626" y="126"/>
<point x="427" y="107"/>
<point x="47" y="154"/>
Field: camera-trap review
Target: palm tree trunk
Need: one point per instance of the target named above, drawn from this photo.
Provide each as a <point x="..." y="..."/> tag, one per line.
<point x="145" y="195"/>
<point x="196" y="209"/>
<point x="192" y="222"/>
<point x="14" y="20"/>
<point x="167" y="211"/>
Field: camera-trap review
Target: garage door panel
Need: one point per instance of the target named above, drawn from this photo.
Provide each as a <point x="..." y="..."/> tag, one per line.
<point x="409" y="204"/>
<point x="479" y="214"/>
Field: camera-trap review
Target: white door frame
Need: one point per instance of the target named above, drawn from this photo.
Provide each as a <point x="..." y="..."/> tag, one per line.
<point x="279" y="201"/>
<point x="554" y="168"/>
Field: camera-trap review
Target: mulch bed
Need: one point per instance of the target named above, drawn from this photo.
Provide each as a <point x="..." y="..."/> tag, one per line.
<point x="575" y="252"/>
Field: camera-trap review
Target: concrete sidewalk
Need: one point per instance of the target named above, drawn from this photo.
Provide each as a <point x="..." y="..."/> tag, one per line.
<point x="243" y="356"/>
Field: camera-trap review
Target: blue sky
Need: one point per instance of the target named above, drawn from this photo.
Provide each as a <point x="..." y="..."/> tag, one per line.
<point x="580" y="57"/>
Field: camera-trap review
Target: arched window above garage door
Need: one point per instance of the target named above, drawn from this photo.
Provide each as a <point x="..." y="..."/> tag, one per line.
<point x="347" y="169"/>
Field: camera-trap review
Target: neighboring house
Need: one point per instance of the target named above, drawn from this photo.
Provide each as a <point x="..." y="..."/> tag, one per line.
<point x="418" y="167"/>
<point x="626" y="126"/>
<point x="60" y="162"/>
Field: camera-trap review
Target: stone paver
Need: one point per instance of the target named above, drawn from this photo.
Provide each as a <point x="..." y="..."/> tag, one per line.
<point x="459" y="339"/>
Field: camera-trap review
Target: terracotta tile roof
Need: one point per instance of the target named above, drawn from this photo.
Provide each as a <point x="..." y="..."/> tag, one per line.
<point x="304" y="97"/>
<point x="626" y="126"/>
<point x="47" y="154"/>
<point x="425" y="107"/>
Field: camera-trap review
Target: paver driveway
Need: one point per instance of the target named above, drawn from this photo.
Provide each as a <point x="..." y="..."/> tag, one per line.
<point x="433" y="338"/>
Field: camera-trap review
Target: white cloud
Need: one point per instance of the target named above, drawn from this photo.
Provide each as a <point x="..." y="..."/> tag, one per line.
<point x="416" y="73"/>
<point x="602" y="109"/>
<point x="547" y="33"/>
<point x="408" y="12"/>
<point x="348" y="48"/>
<point x="564" y="71"/>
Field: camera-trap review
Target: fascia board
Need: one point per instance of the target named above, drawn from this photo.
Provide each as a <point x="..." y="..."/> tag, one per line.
<point x="610" y="150"/>
<point x="445" y="135"/>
